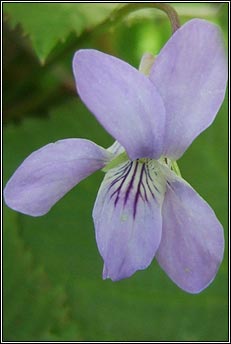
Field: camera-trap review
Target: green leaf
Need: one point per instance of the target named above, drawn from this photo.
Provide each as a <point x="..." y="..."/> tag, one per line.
<point x="33" y="308"/>
<point x="147" y="306"/>
<point x="50" y="23"/>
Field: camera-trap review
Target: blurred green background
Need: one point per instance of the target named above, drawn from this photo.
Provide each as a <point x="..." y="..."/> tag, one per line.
<point x="52" y="286"/>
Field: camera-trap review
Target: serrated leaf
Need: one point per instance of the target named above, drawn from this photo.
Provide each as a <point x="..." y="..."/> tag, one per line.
<point x="49" y="23"/>
<point x="147" y="306"/>
<point x="33" y="308"/>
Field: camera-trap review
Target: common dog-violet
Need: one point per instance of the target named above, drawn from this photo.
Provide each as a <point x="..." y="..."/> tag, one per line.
<point x="144" y="208"/>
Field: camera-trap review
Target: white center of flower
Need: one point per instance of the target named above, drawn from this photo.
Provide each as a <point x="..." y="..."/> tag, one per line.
<point x="131" y="182"/>
<point x="141" y="180"/>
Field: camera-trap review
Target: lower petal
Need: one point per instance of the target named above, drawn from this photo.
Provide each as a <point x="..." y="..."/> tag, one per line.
<point x="127" y="218"/>
<point x="50" y="172"/>
<point x="192" y="243"/>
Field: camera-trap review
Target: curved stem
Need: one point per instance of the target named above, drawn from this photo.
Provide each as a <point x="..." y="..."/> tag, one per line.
<point x="169" y="10"/>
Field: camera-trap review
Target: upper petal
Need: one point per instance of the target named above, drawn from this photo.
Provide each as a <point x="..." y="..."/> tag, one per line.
<point x="127" y="218"/>
<point x="192" y="243"/>
<point x="50" y="172"/>
<point x="124" y="101"/>
<point x="190" y="73"/>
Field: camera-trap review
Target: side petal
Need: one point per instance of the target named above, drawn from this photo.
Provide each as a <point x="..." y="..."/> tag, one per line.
<point x="50" y="172"/>
<point x="127" y="218"/>
<point x="192" y="243"/>
<point x="123" y="100"/>
<point x="190" y="74"/>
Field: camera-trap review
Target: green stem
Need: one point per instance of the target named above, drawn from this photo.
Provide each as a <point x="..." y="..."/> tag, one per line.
<point x="116" y="16"/>
<point x="169" y="10"/>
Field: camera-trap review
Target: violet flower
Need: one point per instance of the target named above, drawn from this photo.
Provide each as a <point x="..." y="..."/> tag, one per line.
<point x="144" y="209"/>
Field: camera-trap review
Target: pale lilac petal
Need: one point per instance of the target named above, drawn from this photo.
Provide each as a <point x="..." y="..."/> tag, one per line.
<point x="116" y="149"/>
<point x="190" y="73"/>
<point x="127" y="218"/>
<point x="50" y="172"/>
<point x="123" y="100"/>
<point x="192" y="242"/>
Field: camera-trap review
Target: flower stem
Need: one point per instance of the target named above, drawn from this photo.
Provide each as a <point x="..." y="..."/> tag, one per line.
<point x="127" y="9"/>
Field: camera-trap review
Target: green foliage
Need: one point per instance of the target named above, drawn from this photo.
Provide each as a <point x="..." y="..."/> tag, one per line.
<point x="35" y="309"/>
<point x="47" y="24"/>
<point x="52" y="269"/>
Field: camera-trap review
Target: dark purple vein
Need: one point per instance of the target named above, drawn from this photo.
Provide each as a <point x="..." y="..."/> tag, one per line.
<point x="131" y="183"/>
<point x="117" y="191"/>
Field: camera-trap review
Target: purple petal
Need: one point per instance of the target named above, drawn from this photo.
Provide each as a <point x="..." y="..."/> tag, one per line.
<point x="127" y="217"/>
<point x="124" y="101"/>
<point x="50" y="172"/>
<point x="192" y="242"/>
<point x="190" y="73"/>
